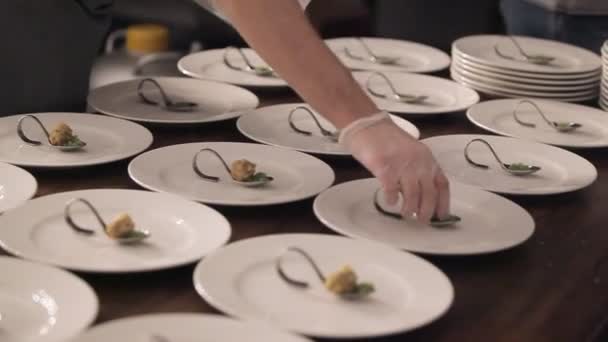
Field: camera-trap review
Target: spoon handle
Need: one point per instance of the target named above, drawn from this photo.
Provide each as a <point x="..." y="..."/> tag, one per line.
<point x="295" y="282"/>
<point x="70" y="221"/>
<point x="536" y="107"/>
<point x="229" y="64"/>
<point x="293" y="126"/>
<point x="166" y="101"/>
<point x="22" y="135"/>
<point x="203" y="175"/>
<point x="479" y="165"/>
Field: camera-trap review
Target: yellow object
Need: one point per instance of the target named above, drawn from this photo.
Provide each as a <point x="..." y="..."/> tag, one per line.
<point x="242" y="170"/>
<point x="121" y="226"/>
<point x="60" y="135"/>
<point x="342" y="281"/>
<point x="147" y="38"/>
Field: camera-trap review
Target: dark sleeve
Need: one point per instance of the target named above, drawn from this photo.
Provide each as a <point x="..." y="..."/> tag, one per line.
<point x="48" y="50"/>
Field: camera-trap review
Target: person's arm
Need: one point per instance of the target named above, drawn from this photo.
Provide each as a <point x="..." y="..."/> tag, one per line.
<point x="280" y="32"/>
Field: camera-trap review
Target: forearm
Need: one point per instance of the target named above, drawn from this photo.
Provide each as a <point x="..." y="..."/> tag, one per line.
<point x="280" y="32"/>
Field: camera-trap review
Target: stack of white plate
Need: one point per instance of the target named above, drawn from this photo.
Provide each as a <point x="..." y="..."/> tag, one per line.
<point x="604" y="92"/>
<point x="571" y="76"/>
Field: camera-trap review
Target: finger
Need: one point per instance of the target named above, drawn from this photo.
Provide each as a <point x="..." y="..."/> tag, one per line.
<point x="443" y="196"/>
<point x="391" y="192"/>
<point x="428" y="199"/>
<point x="410" y="190"/>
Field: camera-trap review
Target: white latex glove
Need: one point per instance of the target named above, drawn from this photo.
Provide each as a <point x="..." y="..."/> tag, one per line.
<point x="401" y="164"/>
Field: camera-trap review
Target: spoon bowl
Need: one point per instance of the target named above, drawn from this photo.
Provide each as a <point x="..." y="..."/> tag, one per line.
<point x="520" y="169"/>
<point x="394" y="213"/>
<point x="136" y="236"/>
<point x="566" y="126"/>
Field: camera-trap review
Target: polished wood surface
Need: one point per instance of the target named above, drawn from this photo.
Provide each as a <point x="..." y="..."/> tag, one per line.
<point x="552" y="288"/>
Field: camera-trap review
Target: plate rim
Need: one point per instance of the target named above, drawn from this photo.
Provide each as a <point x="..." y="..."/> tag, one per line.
<point x="510" y="135"/>
<point x="342" y="232"/>
<point x="229" y="115"/>
<point x="133" y="177"/>
<point x="480" y="60"/>
<point x="124" y="270"/>
<point x="192" y="74"/>
<point x="75" y="281"/>
<point x="24" y="173"/>
<point x="440" y="53"/>
<point x="145" y="144"/>
<point x="524" y="193"/>
<point x="472" y="92"/>
<point x="239" y="125"/>
<point x="206" y="296"/>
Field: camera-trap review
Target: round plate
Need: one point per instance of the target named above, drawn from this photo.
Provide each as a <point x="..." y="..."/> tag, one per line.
<point x="457" y="76"/>
<point x="42" y="303"/>
<point x="178" y="327"/>
<point x="569" y="59"/>
<point x="494" y="81"/>
<point x="496" y="93"/>
<point x="270" y="125"/>
<point x="464" y="60"/>
<point x="349" y="209"/>
<point x="561" y="171"/>
<point x="108" y="140"/>
<point x="297" y="176"/>
<point x="241" y="281"/>
<point x="216" y="101"/>
<point x="16" y="186"/>
<point x="480" y="70"/>
<point x="209" y="65"/>
<point x="497" y="117"/>
<point x="445" y="96"/>
<point x="181" y="231"/>
<point x="413" y="57"/>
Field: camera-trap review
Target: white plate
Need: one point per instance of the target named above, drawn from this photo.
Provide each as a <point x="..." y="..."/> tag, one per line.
<point x="569" y="59"/>
<point x="41" y="303"/>
<point x="297" y="176"/>
<point x="241" y="281"/>
<point x="216" y="101"/>
<point x="108" y="140"/>
<point x="270" y="125"/>
<point x="209" y="65"/>
<point x="445" y="96"/>
<point x="480" y="70"/>
<point x="463" y="59"/>
<point x="494" y="81"/>
<point x="185" y="327"/>
<point x="16" y="186"/>
<point x="497" y="93"/>
<point x="413" y="57"/>
<point x="497" y="117"/>
<point x="181" y="231"/>
<point x="456" y="75"/>
<point x="490" y="223"/>
<point x="562" y="171"/>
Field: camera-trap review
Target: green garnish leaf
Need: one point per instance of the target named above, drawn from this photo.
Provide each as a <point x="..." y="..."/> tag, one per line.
<point x="518" y="167"/>
<point x="74" y="141"/>
<point x="259" y="177"/>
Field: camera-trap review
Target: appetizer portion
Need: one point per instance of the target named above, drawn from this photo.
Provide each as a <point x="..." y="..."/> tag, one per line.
<point x="343" y="283"/>
<point x="245" y="171"/>
<point x="516" y="169"/>
<point x="62" y="135"/>
<point x="122" y="229"/>
<point x="242" y="171"/>
<point x="122" y="226"/>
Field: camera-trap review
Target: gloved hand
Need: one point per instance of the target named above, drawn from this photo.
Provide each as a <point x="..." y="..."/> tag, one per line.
<point x="401" y="164"/>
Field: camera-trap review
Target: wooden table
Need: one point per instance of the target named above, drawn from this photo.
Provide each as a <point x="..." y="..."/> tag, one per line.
<point x="552" y="288"/>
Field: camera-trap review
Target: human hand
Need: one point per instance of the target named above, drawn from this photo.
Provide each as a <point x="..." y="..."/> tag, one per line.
<point x="401" y="164"/>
